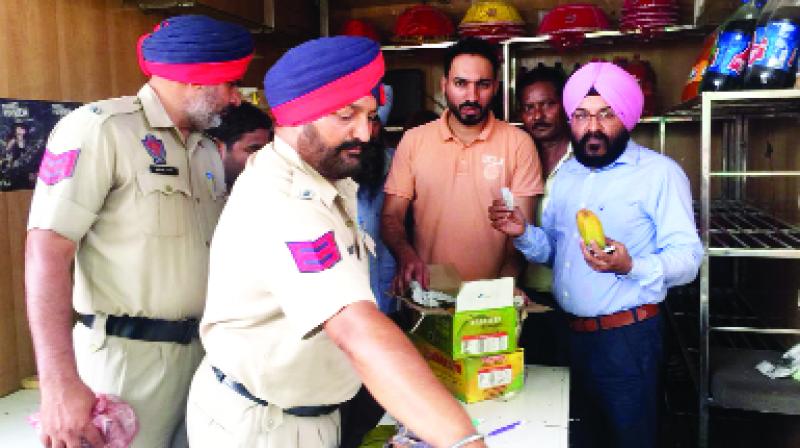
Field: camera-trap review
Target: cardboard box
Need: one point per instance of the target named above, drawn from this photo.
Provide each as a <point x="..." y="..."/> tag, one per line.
<point x="476" y="379"/>
<point x="484" y="321"/>
<point x="471" y="333"/>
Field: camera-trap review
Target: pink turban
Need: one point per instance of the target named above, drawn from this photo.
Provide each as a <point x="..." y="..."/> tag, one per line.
<point x="616" y="86"/>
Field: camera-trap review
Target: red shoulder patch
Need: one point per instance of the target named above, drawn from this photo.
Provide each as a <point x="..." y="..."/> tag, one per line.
<point x="317" y="255"/>
<point x="57" y="167"/>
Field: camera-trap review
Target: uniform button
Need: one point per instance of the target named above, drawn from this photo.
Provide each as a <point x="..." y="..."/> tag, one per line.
<point x="208" y="244"/>
<point x="197" y="200"/>
<point x="168" y="188"/>
<point x="566" y="264"/>
<point x="566" y="294"/>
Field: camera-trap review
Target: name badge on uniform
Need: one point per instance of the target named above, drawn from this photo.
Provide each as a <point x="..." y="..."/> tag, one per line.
<point x="165" y="170"/>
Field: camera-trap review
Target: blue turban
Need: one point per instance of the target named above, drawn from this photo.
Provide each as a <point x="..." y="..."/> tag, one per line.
<point x="196" y="49"/>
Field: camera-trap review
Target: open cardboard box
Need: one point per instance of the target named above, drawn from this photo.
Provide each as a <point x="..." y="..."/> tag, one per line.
<point x="484" y="321"/>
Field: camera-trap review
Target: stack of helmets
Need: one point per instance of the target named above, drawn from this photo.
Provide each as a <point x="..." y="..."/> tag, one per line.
<point x="360" y="28"/>
<point x="648" y="15"/>
<point x="494" y="21"/>
<point x="422" y="23"/>
<point x="567" y="24"/>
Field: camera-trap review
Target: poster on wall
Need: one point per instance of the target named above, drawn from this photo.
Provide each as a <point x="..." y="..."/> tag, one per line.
<point x="24" y="128"/>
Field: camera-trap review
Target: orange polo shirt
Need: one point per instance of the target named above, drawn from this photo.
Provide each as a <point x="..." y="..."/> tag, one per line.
<point x="451" y="186"/>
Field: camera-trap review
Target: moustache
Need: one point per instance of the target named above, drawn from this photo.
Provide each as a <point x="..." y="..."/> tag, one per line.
<point x="596" y="135"/>
<point x="470" y="104"/>
<point x="351" y="144"/>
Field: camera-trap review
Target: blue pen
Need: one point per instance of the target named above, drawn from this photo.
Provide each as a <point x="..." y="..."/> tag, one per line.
<point x="503" y="429"/>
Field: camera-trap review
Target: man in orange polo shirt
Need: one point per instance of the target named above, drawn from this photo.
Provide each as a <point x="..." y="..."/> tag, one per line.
<point x="450" y="170"/>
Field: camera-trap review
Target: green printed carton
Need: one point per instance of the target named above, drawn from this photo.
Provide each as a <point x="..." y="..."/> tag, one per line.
<point x="484" y="322"/>
<point x="476" y="378"/>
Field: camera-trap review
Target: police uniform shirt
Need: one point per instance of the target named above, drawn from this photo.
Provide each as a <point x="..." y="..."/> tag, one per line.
<point x="141" y="204"/>
<point x="286" y="257"/>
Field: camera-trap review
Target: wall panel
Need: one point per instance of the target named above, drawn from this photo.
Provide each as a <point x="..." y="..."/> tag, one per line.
<point x="60" y="50"/>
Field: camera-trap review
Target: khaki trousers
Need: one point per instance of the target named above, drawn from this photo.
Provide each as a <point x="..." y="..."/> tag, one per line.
<point x="153" y="377"/>
<point x="219" y="417"/>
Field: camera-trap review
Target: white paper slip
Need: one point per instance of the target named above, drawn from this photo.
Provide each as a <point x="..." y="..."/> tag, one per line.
<point x="485" y="294"/>
<point x="508" y="198"/>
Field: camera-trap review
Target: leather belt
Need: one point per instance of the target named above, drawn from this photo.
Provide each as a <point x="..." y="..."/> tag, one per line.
<point x="146" y="329"/>
<point x="298" y="411"/>
<point x="616" y="320"/>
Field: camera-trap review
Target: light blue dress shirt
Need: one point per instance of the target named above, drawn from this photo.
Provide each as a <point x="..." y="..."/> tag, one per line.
<point x="644" y="202"/>
<point x="382" y="265"/>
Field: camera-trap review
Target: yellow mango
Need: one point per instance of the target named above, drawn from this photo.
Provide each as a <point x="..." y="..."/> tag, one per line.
<point x="590" y="228"/>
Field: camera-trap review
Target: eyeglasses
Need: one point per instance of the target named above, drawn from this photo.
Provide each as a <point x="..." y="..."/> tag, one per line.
<point x="604" y="116"/>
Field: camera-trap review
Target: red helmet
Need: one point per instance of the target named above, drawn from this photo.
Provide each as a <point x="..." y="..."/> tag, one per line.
<point x="355" y="27"/>
<point x="423" y="23"/>
<point x="567" y="23"/>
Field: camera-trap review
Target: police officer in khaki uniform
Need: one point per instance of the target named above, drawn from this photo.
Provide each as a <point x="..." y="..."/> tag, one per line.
<point x="291" y="328"/>
<point x="130" y="190"/>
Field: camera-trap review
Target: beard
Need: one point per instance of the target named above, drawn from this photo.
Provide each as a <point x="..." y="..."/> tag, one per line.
<point x="373" y="167"/>
<point x="329" y="162"/>
<point x="201" y="112"/>
<point x="614" y="148"/>
<point x="468" y="120"/>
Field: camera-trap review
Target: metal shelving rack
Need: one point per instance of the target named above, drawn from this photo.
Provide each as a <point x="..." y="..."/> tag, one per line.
<point x="729" y="228"/>
<point x="733" y="228"/>
<point x="512" y="46"/>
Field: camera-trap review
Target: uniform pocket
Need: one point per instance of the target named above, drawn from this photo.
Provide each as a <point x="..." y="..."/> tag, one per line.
<point x="164" y="205"/>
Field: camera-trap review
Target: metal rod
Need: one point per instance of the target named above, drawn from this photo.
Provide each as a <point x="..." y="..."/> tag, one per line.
<point x="757" y="330"/>
<point x="760" y="253"/>
<point x="705" y="200"/>
<point x="506" y="81"/>
<point x="755" y="174"/>
<point x="324" y="22"/>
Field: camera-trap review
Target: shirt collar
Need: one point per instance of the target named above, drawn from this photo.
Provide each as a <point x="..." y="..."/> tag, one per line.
<point x="562" y="160"/>
<point x="154" y="111"/>
<point x="309" y="179"/>
<point x="628" y="157"/>
<point x="447" y="135"/>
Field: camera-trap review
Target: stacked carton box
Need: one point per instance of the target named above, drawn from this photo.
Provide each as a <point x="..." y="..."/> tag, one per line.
<point x="473" y="352"/>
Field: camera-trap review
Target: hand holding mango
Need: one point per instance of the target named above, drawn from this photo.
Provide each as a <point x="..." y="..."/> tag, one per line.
<point x="591" y="229"/>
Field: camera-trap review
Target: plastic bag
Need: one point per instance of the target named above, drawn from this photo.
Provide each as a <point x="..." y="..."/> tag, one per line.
<point x="114" y="418"/>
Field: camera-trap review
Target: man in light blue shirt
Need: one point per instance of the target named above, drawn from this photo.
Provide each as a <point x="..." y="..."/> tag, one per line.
<point x="375" y="162"/>
<point x="612" y="294"/>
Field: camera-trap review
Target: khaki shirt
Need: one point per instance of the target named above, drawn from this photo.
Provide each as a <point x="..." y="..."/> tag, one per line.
<point x="286" y="257"/>
<point x="142" y="237"/>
